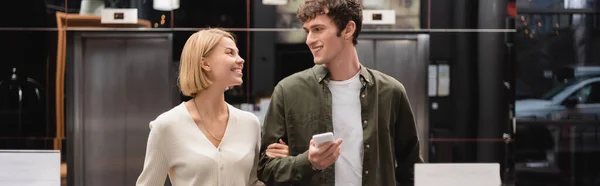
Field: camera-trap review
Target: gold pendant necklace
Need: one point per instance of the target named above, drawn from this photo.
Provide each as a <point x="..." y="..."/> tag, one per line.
<point x="204" y="123"/>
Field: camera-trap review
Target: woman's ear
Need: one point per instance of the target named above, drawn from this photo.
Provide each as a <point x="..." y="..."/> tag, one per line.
<point x="204" y="64"/>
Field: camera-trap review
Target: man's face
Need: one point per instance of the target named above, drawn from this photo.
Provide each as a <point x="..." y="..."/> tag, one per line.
<point x="322" y="39"/>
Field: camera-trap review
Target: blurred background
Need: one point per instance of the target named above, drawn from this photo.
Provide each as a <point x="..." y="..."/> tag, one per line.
<point x="515" y="82"/>
<point x="557" y="105"/>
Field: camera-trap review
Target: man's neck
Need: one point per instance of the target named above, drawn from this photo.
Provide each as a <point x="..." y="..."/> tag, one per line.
<point x="345" y="66"/>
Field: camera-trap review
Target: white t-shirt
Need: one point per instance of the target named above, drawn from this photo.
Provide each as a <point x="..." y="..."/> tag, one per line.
<point x="346" y="125"/>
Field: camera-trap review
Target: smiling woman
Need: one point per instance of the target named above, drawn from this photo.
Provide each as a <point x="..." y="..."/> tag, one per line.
<point x="196" y="68"/>
<point x="205" y="141"/>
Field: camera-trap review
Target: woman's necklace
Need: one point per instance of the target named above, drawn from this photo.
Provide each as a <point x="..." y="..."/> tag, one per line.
<point x="204" y="123"/>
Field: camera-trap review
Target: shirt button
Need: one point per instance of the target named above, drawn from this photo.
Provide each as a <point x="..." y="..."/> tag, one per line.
<point x="365" y="121"/>
<point x="366" y="172"/>
<point x="362" y="95"/>
<point x="367" y="146"/>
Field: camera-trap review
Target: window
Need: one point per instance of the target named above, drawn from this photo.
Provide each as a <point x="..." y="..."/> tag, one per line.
<point x="556" y="4"/>
<point x="589" y="94"/>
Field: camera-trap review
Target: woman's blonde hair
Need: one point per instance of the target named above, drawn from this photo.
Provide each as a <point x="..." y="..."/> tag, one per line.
<point x="192" y="78"/>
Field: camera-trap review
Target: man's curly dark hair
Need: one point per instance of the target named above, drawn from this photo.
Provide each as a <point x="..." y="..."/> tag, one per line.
<point x="340" y="11"/>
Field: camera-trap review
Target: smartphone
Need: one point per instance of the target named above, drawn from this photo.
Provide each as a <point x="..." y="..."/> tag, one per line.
<point x="323" y="138"/>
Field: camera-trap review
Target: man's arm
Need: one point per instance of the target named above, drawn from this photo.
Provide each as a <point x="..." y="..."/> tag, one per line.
<point x="274" y="171"/>
<point x="406" y="140"/>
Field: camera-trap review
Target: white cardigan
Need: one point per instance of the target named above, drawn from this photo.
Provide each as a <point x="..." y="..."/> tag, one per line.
<point x="177" y="147"/>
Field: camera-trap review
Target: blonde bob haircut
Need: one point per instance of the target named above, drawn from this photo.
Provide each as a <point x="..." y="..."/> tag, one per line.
<point x="192" y="78"/>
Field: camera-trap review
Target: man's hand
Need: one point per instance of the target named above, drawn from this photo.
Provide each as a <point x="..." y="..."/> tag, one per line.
<point x="325" y="155"/>
<point x="277" y="150"/>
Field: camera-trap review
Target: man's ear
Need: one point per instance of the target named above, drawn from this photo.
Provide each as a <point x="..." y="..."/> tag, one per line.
<point x="204" y="64"/>
<point x="349" y="30"/>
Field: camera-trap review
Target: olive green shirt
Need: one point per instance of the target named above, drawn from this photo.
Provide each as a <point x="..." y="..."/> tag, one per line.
<point x="301" y="107"/>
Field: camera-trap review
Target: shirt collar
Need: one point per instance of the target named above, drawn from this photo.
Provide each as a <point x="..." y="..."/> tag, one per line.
<point x="322" y="74"/>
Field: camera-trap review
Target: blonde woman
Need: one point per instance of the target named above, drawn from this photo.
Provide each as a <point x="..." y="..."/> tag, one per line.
<point x="206" y="141"/>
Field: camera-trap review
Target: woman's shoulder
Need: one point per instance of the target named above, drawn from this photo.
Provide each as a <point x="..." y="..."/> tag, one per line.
<point x="245" y="117"/>
<point x="169" y="117"/>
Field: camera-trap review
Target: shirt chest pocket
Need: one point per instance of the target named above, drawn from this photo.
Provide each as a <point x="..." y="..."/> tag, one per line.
<point x="300" y="129"/>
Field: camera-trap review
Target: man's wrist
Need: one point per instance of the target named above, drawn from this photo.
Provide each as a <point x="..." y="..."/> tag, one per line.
<point x="315" y="169"/>
<point x="304" y="165"/>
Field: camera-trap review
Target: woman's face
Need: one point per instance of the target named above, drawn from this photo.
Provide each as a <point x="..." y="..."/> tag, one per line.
<point x="224" y="64"/>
